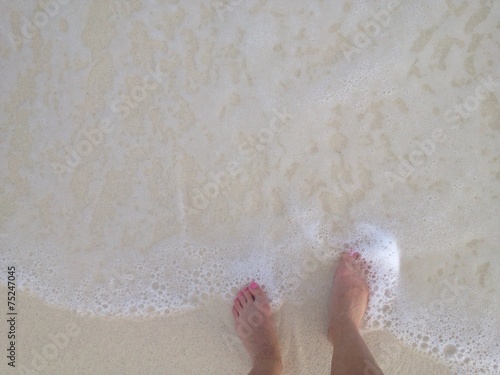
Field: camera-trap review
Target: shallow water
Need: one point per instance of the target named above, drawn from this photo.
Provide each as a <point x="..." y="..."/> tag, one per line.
<point x="155" y="155"/>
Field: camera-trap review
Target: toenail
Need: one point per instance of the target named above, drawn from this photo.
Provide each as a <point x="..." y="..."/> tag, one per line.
<point x="254" y="285"/>
<point x="240" y="294"/>
<point x="246" y="289"/>
<point x="356" y="255"/>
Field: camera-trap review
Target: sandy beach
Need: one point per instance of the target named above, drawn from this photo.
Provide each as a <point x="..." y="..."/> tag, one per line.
<point x="156" y="156"/>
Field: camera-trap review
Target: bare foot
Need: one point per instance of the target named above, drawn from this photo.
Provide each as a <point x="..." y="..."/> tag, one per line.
<point x="350" y="295"/>
<point x="255" y="327"/>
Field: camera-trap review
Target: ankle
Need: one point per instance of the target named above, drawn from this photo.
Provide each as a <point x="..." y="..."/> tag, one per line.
<point x="270" y="360"/>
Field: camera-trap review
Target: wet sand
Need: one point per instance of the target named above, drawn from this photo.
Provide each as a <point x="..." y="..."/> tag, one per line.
<point x="185" y="344"/>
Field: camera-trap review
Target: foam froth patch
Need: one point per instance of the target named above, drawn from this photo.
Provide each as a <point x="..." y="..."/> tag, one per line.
<point x="379" y="251"/>
<point x="179" y="276"/>
<point x="176" y="278"/>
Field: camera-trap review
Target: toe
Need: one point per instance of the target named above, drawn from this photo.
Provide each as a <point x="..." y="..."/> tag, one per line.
<point x="348" y="257"/>
<point x="352" y="261"/>
<point x="346" y="263"/>
<point x="242" y="298"/>
<point x="358" y="264"/>
<point x="235" y="313"/>
<point x="247" y="294"/>
<point x="237" y="304"/>
<point x="260" y="298"/>
<point x="255" y="290"/>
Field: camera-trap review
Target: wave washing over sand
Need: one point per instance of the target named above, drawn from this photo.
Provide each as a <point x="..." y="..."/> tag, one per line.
<point x="155" y="155"/>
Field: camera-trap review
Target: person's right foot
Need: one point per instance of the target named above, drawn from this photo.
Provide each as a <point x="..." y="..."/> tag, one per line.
<point x="350" y="295"/>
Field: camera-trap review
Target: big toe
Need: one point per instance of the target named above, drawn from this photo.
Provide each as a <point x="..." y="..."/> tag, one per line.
<point x="256" y="290"/>
<point x="352" y="262"/>
<point x="259" y="296"/>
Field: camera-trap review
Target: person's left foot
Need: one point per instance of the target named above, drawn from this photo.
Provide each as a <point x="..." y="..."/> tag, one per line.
<point x="255" y="327"/>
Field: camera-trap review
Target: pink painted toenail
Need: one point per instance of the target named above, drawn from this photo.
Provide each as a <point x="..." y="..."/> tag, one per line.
<point x="254" y="285"/>
<point x="240" y="294"/>
<point x="353" y="254"/>
<point x="246" y="289"/>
